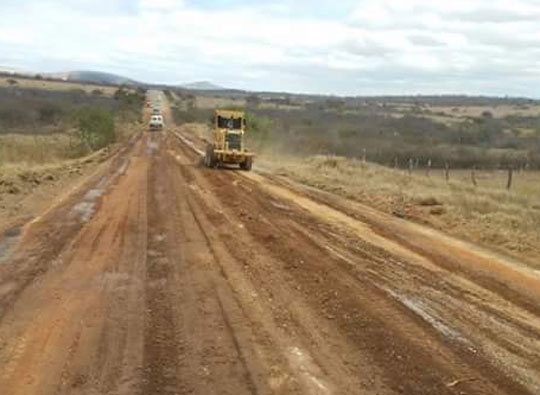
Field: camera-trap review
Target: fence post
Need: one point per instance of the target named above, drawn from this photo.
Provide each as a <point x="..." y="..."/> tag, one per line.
<point x="509" y="182"/>
<point x="411" y="163"/>
<point x="473" y="176"/>
<point x="428" y="168"/>
<point x="446" y="171"/>
<point x="364" y="156"/>
<point x="395" y="162"/>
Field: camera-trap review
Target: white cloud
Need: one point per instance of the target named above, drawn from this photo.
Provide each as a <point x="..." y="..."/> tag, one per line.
<point x="476" y="46"/>
<point x="160" y="5"/>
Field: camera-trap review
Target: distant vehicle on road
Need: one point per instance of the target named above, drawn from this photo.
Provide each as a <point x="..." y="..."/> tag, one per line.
<point x="156" y="122"/>
<point x="156" y="111"/>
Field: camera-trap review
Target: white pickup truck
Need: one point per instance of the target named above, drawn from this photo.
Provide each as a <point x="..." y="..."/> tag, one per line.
<point x="156" y="122"/>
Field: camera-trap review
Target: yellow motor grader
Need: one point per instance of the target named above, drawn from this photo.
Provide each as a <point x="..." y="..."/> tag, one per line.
<point x="229" y="146"/>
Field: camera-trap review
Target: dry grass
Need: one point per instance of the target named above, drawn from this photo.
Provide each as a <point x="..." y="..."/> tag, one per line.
<point x="57" y="85"/>
<point x="207" y="102"/>
<point x="279" y="106"/>
<point x="499" y="111"/>
<point x="487" y="214"/>
<point x="34" y="149"/>
<point x="508" y="221"/>
<point x="449" y="120"/>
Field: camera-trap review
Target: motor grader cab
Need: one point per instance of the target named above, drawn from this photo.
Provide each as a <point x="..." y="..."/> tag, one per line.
<point x="228" y="146"/>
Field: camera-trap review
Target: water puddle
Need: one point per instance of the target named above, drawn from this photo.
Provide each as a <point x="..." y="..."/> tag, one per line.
<point x="151" y="147"/>
<point x="86" y="208"/>
<point x="280" y="206"/>
<point x="8" y="240"/>
<point x="418" y="306"/>
<point x="308" y="371"/>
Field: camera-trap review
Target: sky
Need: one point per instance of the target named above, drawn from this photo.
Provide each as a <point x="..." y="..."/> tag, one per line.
<point x="342" y="47"/>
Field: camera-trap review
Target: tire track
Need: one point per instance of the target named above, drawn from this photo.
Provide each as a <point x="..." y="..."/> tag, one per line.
<point x="426" y="361"/>
<point x="160" y="345"/>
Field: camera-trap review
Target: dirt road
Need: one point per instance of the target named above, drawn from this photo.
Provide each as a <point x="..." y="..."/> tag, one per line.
<point x="158" y="276"/>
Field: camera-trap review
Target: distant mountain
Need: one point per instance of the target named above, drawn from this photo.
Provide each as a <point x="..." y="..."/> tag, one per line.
<point x="203" y="86"/>
<point x="97" y="77"/>
<point x="11" y="70"/>
<point x="6" y="70"/>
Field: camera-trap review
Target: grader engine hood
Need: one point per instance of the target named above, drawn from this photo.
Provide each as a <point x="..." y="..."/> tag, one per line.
<point x="233" y="140"/>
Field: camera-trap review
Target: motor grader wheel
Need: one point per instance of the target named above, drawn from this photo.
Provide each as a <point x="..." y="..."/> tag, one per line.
<point x="210" y="159"/>
<point x="246" y="165"/>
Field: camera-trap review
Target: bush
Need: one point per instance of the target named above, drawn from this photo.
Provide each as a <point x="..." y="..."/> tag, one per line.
<point x="96" y="127"/>
<point x="33" y="109"/>
<point x="50" y="113"/>
<point x="258" y="127"/>
<point x="129" y="103"/>
<point x="78" y="91"/>
<point x="13" y="115"/>
<point x="194" y="115"/>
<point x="169" y="95"/>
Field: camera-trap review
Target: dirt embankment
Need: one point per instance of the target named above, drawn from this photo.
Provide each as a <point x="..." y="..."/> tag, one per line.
<point x="25" y="192"/>
<point x="158" y="276"/>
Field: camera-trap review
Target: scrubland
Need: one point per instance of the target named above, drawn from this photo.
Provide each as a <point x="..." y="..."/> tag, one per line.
<point x="43" y="126"/>
<point x="323" y="144"/>
<point x="50" y="137"/>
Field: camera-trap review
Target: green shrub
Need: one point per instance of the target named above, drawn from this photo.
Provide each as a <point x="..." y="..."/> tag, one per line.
<point x="96" y="127"/>
<point x="50" y="112"/>
<point x="129" y="103"/>
<point x="12" y="115"/>
<point x="258" y="125"/>
<point x="258" y="128"/>
<point x="78" y="91"/>
<point x="169" y="95"/>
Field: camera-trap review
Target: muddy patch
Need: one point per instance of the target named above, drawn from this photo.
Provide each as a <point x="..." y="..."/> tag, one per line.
<point x="8" y="240"/>
<point x="308" y="372"/>
<point x="85" y="209"/>
<point x="420" y="308"/>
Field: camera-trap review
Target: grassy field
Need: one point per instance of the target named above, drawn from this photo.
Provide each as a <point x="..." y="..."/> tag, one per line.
<point x="489" y="214"/>
<point x="46" y="133"/>
<point x="44" y="125"/>
<point x="205" y="102"/>
<point x="499" y="111"/>
<point x="35" y="149"/>
<point x="508" y="221"/>
<point x="486" y="213"/>
<point x="56" y="85"/>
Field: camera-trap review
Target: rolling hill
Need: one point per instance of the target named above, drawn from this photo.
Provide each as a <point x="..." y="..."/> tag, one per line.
<point x="94" y="76"/>
<point x="203" y="86"/>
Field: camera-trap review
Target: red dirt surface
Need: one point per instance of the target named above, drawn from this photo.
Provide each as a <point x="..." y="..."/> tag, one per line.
<point x="158" y="276"/>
